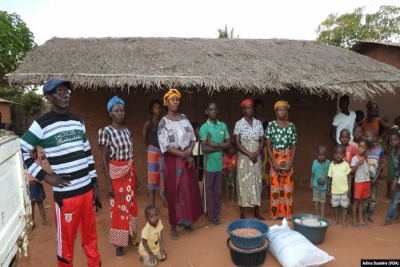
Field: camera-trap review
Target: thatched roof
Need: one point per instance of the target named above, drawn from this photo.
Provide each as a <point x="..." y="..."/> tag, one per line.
<point x="255" y="66"/>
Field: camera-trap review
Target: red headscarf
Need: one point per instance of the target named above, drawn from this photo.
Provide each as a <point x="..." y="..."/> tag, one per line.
<point x="246" y="102"/>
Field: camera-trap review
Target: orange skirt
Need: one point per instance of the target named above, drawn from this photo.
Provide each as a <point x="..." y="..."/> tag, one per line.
<point x="281" y="186"/>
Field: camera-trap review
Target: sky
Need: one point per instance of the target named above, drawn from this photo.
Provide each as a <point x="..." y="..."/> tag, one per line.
<point x="251" y="19"/>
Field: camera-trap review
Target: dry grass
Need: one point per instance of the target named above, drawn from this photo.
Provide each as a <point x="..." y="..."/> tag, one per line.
<point x="250" y="66"/>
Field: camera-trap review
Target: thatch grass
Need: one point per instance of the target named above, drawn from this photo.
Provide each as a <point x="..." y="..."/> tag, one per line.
<point x="250" y="66"/>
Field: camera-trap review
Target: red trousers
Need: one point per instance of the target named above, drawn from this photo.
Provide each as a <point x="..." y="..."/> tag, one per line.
<point x="76" y="212"/>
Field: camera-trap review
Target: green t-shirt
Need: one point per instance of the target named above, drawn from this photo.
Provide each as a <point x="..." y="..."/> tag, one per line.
<point x="218" y="132"/>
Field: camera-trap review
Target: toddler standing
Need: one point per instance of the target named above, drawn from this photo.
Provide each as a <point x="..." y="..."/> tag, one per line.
<point x="229" y="173"/>
<point x="36" y="190"/>
<point x="319" y="176"/>
<point x="339" y="183"/>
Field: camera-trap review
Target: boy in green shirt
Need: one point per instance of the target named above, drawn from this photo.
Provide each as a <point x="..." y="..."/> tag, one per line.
<point x="214" y="138"/>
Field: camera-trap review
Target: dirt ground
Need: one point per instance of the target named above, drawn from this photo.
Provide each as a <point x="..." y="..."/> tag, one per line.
<point x="207" y="246"/>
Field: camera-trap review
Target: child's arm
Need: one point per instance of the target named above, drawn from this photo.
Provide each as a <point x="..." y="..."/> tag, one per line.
<point x="312" y="178"/>
<point x="358" y="164"/>
<point x="349" y="179"/>
<point x="162" y="252"/>
<point x="329" y="185"/>
<point x="146" y="247"/>
<point x="378" y="171"/>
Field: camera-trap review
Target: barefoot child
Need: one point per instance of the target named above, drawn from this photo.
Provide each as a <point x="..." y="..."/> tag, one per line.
<point x="319" y="174"/>
<point x="359" y="167"/>
<point x="339" y="183"/>
<point x="229" y="173"/>
<point x="375" y="157"/>
<point x="394" y="139"/>
<point x="36" y="190"/>
<point x="151" y="245"/>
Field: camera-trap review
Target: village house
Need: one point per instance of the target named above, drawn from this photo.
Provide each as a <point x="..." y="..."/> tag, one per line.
<point x="5" y="111"/>
<point x="388" y="53"/>
<point x="307" y="74"/>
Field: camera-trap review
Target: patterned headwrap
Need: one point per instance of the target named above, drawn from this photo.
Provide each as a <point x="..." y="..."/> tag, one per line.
<point x="282" y="103"/>
<point x="113" y="101"/>
<point x="246" y="102"/>
<point x="371" y="104"/>
<point x="171" y="93"/>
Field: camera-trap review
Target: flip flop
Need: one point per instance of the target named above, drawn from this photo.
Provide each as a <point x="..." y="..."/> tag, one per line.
<point x="365" y="225"/>
<point x="174" y="235"/>
<point x="189" y="229"/>
<point x="355" y="224"/>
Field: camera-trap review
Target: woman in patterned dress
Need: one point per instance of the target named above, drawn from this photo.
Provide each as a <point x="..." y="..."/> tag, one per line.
<point x="281" y="143"/>
<point x="120" y="175"/>
<point x="177" y="139"/>
<point x="249" y="141"/>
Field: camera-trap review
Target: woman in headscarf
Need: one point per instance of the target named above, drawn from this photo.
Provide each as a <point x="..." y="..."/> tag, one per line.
<point x="258" y="114"/>
<point x="155" y="160"/>
<point x="371" y="122"/>
<point x="177" y="139"/>
<point x="120" y="174"/>
<point x="281" y="143"/>
<point x="248" y="133"/>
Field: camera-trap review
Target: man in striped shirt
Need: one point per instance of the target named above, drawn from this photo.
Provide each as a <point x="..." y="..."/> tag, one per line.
<point x="63" y="138"/>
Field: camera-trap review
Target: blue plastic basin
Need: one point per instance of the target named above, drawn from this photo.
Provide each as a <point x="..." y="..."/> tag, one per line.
<point x="245" y="242"/>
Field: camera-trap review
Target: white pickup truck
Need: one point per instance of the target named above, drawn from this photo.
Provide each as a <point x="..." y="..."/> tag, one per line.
<point x="15" y="205"/>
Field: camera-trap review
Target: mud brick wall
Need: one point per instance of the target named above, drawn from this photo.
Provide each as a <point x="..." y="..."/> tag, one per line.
<point x="312" y="116"/>
<point x="5" y="112"/>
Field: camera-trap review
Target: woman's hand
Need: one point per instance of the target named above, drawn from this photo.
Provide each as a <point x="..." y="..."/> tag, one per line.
<point x="186" y="154"/>
<point x="191" y="162"/>
<point x="277" y="168"/>
<point x="111" y="191"/>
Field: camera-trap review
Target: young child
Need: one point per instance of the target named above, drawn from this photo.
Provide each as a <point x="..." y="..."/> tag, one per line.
<point x="390" y="172"/>
<point x="359" y="116"/>
<point x="394" y="139"/>
<point x="359" y="167"/>
<point x="36" y="190"/>
<point x="229" y="173"/>
<point x="339" y="183"/>
<point x="151" y="245"/>
<point x="351" y="150"/>
<point x="375" y="157"/>
<point x="319" y="174"/>
<point x="357" y="135"/>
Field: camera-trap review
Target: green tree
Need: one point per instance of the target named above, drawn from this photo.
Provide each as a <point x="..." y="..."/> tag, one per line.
<point x="347" y="29"/>
<point x="16" y="40"/>
<point x="225" y="34"/>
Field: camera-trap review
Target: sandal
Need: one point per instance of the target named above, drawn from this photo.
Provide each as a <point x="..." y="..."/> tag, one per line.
<point x="366" y="225"/>
<point x="119" y="252"/>
<point x="386" y="222"/>
<point x="189" y="229"/>
<point x="355" y="224"/>
<point x="174" y="235"/>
